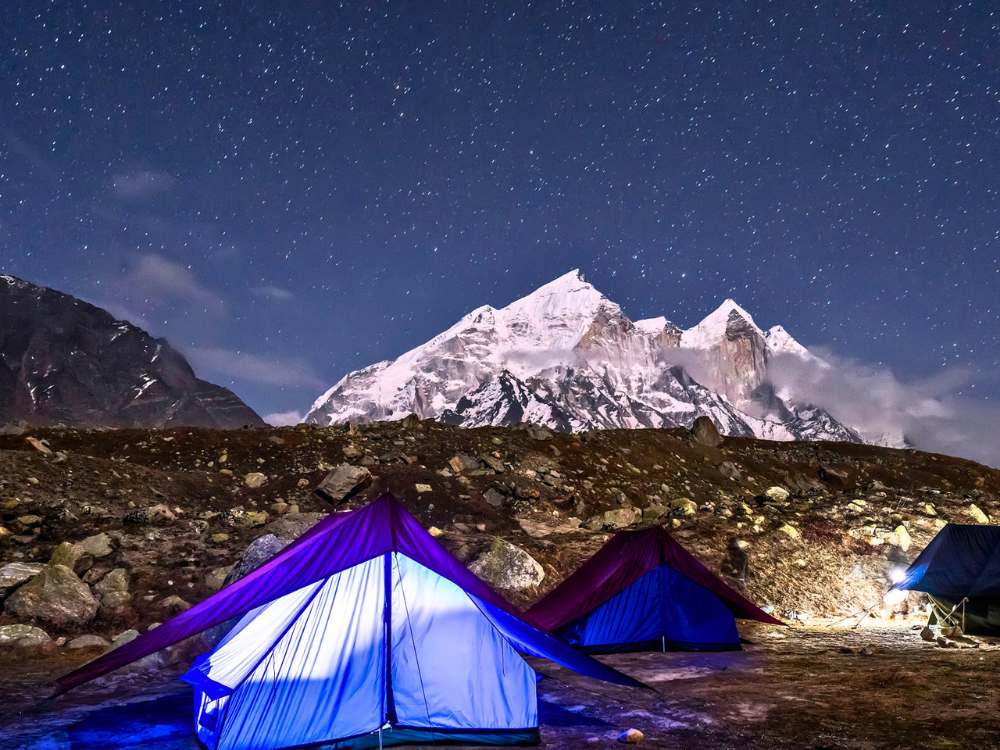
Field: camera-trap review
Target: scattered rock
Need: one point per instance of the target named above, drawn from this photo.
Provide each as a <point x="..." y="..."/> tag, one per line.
<point x="619" y="518"/>
<point x="654" y="512"/>
<point x="14" y="574"/>
<point x="38" y="445"/>
<point x="253" y="518"/>
<point x="494" y="497"/>
<point x="114" y="590"/>
<point x="97" y="546"/>
<point x="160" y="513"/>
<point x="435" y="532"/>
<point x="729" y="470"/>
<point x="216" y="577"/>
<point x="258" y="552"/>
<point x="902" y="538"/>
<point x="977" y="514"/>
<point x="704" y="432"/>
<point x="88" y="641"/>
<point x="507" y="566"/>
<point x="634" y="736"/>
<point x="22" y="636"/>
<point x="777" y="494"/>
<point x="294" y="525"/>
<point x="352" y="451"/>
<point x="684" y="506"/>
<point x="343" y="483"/>
<point x="255" y="480"/>
<point x="126" y="636"/>
<point x="790" y="531"/>
<point x="174" y="604"/>
<point x="463" y="462"/>
<point x="833" y="476"/>
<point x="422" y="488"/>
<point x="56" y="596"/>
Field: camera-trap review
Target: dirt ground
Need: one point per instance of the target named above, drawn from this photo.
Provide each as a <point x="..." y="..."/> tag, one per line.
<point x="794" y="687"/>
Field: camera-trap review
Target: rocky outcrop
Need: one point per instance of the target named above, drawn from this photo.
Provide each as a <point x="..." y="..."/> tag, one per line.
<point x="507" y="566"/>
<point x="63" y="361"/>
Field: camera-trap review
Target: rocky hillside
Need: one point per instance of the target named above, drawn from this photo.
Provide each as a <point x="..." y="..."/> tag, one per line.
<point x="63" y="361"/>
<point x="567" y="357"/>
<point x="103" y="532"/>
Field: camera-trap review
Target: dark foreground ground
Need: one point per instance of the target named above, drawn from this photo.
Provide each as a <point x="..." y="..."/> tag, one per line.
<point x="790" y="688"/>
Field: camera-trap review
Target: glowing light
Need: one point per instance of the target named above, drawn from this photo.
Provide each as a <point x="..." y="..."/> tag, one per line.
<point x="897" y="573"/>
<point x="894" y="597"/>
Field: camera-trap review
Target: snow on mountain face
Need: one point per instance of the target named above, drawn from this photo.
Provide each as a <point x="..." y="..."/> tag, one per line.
<point x="567" y="357"/>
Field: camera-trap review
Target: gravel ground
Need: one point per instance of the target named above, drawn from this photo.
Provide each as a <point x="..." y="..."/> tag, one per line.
<point x="796" y="687"/>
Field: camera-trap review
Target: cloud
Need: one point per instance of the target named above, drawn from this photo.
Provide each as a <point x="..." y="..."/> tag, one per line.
<point x="161" y="278"/>
<point x="284" y="418"/>
<point x="239" y="365"/>
<point x="276" y="293"/>
<point x="928" y="413"/>
<point x="141" y="185"/>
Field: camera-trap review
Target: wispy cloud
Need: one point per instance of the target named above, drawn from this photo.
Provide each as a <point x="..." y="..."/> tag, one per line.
<point x="277" y="293"/>
<point x="283" y="418"/>
<point x="142" y="184"/>
<point x="929" y="413"/>
<point x="240" y="365"/>
<point x="161" y="279"/>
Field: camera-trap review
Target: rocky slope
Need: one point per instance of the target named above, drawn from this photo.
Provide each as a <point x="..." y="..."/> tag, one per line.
<point x="104" y="532"/>
<point x="567" y="357"/>
<point x="63" y="361"/>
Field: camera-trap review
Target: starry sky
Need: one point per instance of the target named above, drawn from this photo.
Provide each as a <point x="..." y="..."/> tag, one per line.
<point x="291" y="190"/>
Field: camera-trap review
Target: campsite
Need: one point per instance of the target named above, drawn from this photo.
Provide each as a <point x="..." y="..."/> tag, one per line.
<point x="814" y="681"/>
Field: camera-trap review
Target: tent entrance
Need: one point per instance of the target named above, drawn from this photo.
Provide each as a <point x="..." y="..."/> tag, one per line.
<point x="974" y="615"/>
<point x="388" y="643"/>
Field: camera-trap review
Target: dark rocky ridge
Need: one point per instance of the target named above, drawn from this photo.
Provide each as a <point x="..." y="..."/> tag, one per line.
<point x="64" y="361"/>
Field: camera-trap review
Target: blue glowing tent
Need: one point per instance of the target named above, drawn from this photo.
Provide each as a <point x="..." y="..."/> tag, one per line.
<point x="642" y="590"/>
<point x="365" y="632"/>
<point x="960" y="571"/>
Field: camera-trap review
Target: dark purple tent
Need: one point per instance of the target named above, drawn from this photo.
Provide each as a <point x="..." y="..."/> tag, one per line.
<point x="642" y="589"/>
<point x="336" y="544"/>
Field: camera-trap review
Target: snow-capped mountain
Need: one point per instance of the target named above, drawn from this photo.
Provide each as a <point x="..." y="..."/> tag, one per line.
<point x="567" y="357"/>
<point x="64" y="361"/>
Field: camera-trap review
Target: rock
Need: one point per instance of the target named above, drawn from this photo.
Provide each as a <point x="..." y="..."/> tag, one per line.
<point x="493" y="462"/>
<point x="126" y="636"/>
<point x="619" y="518"/>
<point x="833" y="476"/>
<point x="977" y="514"/>
<point x="56" y="597"/>
<point x="684" y="506"/>
<point x="790" y="531"/>
<point x="38" y="445"/>
<point x="729" y="470"/>
<point x="216" y="577"/>
<point x="494" y="497"/>
<point x="422" y="488"/>
<point x="174" y="604"/>
<point x="634" y="736"/>
<point x="258" y="552"/>
<point x="116" y="581"/>
<point x="343" y="483"/>
<point x="255" y="480"/>
<point x="29" y="520"/>
<point x="14" y="574"/>
<point x="88" y="641"/>
<point x="507" y="566"/>
<point x="251" y="519"/>
<point x="97" y="546"/>
<point x="136" y="517"/>
<point x="67" y="554"/>
<point x="704" y="432"/>
<point x="902" y="538"/>
<point x="294" y="525"/>
<point x="22" y="636"/>
<point x="540" y="433"/>
<point x="777" y="494"/>
<point x="929" y="509"/>
<point x="352" y="451"/>
<point x="160" y="513"/>
<point x="463" y="462"/>
<point x="219" y="537"/>
<point x="654" y="512"/>
<point x="435" y="532"/>
<point x="280" y="508"/>
<point x="927" y="634"/>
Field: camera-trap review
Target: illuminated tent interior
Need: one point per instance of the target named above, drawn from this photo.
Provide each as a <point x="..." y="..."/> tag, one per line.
<point x="642" y="590"/>
<point x="365" y="632"/>
<point x="960" y="572"/>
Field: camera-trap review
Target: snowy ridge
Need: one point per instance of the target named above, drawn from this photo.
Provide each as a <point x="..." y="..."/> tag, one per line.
<point x="567" y="357"/>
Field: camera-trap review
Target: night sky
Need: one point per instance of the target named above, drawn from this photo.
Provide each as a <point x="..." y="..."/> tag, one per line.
<point x="291" y="190"/>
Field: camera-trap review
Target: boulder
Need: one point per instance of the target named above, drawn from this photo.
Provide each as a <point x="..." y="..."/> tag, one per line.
<point x="463" y="462"/>
<point x="902" y="538"/>
<point x="216" y="577"/>
<point x="789" y="531"/>
<point x="255" y="480"/>
<point x="704" y="432"/>
<point x="251" y="519"/>
<point x="634" y="736"/>
<point x="97" y="546"/>
<point x="70" y="555"/>
<point x="88" y="641"/>
<point x="343" y="483"/>
<point x="507" y="566"/>
<point x="654" y="512"/>
<point x="729" y="470"/>
<point x="22" y="636"/>
<point x="494" y="497"/>
<point x="114" y="590"/>
<point x="259" y="551"/>
<point x="294" y="525"/>
<point x="777" y="494"/>
<point x="977" y="514"/>
<point x="56" y="596"/>
<point x="14" y="574"/>
<point x="835" y="477"/>
<point x="684" y="506"/>
<point x="38" y="445"/>
<point x="619" y="518"/>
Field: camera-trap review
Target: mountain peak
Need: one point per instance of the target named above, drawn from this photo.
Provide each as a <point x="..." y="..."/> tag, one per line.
<point x="711" y="330"/>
